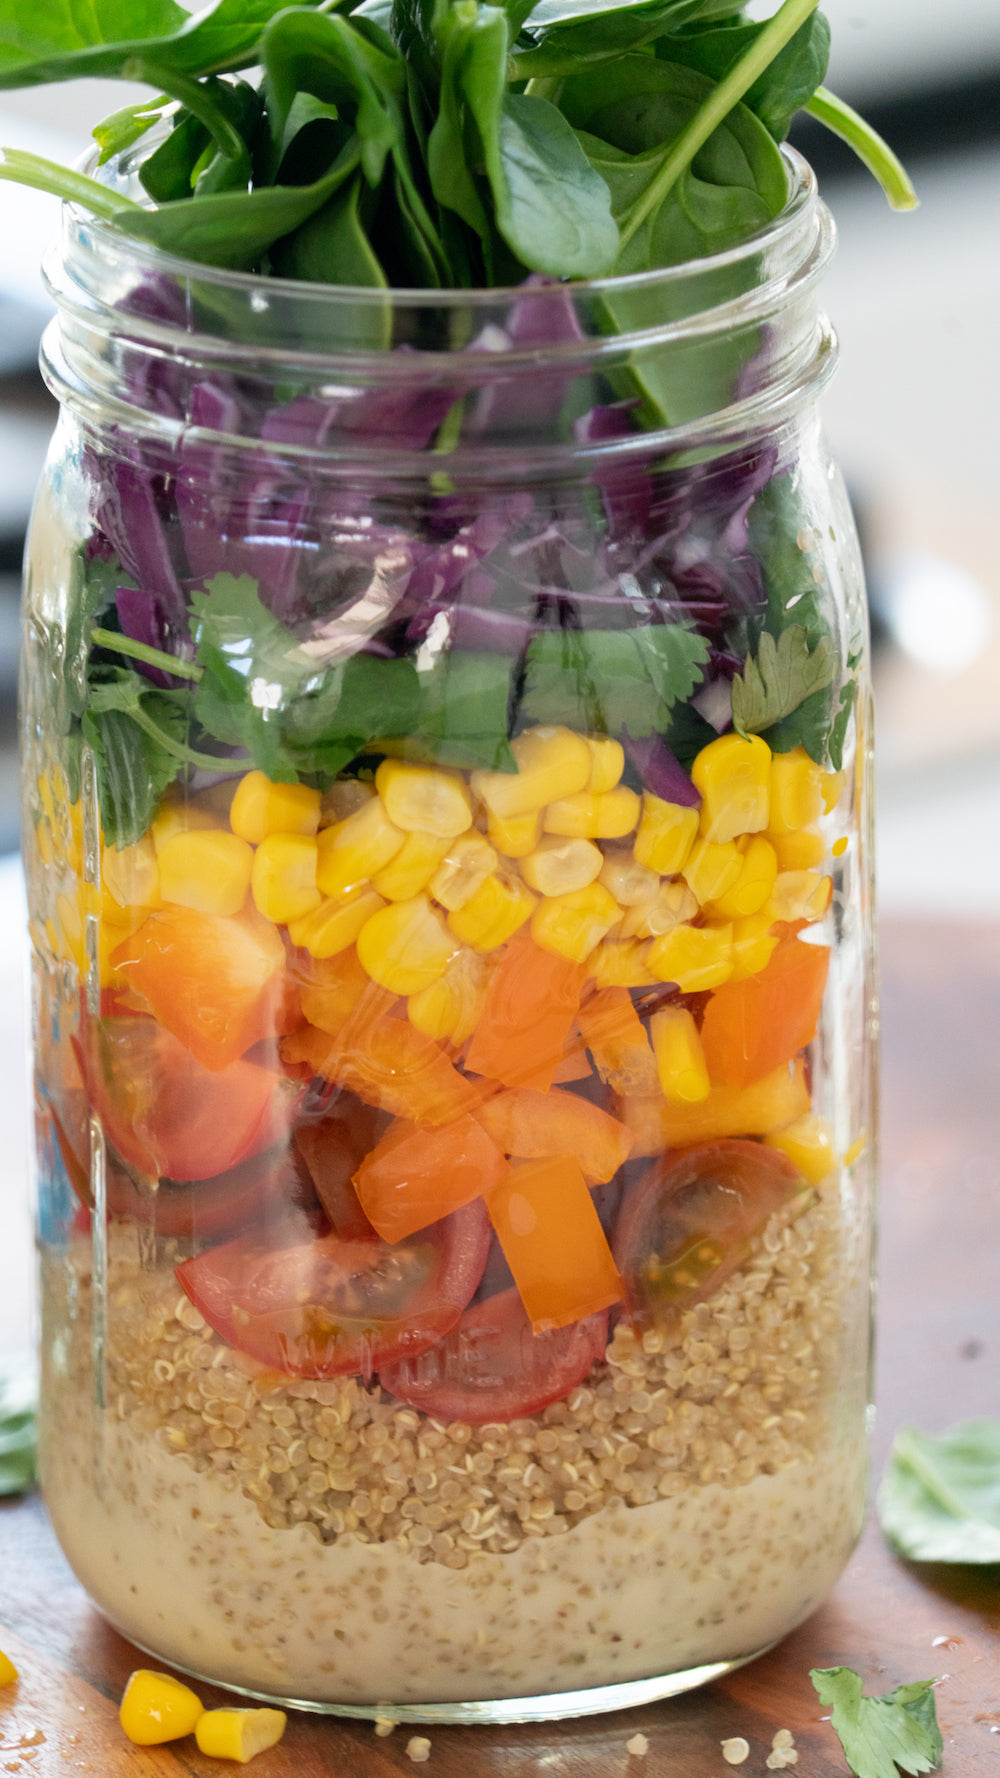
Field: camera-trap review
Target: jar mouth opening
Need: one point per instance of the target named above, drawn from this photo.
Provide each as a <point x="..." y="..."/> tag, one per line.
<point x="802" y="197"/>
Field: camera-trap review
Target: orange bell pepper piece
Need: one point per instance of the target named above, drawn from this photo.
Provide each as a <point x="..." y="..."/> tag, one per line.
<point x="415" y="1175"/>
<point x="533" y="1126"/>
<point x="531" y="1002"/>
<point x="767" y="1105"/>
<point x="615" y="1036"/>
<point x="553" y="1242"/>
<point x="388" y="1063"/>
<point x="751" y="1026"/>
<point x="216" y="982"/>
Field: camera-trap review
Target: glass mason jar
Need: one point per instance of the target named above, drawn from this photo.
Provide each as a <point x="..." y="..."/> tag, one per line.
<point x="447" y="837"/>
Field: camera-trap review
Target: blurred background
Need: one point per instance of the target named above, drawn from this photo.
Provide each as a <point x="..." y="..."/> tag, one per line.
<point x="914" y="299"/>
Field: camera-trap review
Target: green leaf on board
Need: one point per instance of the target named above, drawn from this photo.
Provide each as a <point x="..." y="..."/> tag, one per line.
<point x="18" y="1428"/>
<point x="939" y="1500"/>
<point x="882" y="1736"/>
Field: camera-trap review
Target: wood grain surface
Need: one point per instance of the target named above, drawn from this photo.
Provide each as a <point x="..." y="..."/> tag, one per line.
<point x="938" y="1354"/>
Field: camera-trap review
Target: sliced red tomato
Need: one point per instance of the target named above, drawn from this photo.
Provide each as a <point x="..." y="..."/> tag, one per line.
<point x="492" y="1367"/>
<point x="168" y="1116"/>
<point x="271" y="1187"/>
<point x="689" y="1221"/>
<point x="330" y="1307"/>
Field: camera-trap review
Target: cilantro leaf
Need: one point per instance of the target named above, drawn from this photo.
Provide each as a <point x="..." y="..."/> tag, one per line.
<point x="881" y="1737"/>
<point x="607" y="679"/>
<point x="940" y="1497"/>
<point x="352" y="703"/>
<point x="93" y="588"/>
<point x="126" y="727"/>
<point x="781" y="679"/>
<point x="139" y="738"/>
<point x="253" y="669"/>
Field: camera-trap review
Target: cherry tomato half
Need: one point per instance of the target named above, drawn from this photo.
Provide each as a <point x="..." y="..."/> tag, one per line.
<point x="492" y="1367"/>
<point x="332" y="1149"/>
<point x="165" y="1114"/>
<point x="689" y="1221"/>
<point x="329" y="1307"/>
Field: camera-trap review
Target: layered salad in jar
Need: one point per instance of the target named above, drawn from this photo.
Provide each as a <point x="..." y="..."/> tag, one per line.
<point x="448" y="898"/>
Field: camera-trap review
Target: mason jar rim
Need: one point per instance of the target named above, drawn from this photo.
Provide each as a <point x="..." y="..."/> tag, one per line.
<point x="803" y="193"/>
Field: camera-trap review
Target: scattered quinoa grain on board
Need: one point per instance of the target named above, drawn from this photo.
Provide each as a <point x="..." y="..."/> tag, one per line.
<point x="735" y="1750"/>
<point x="418" y="1749"/>
<point x="638" y="1746"/>
<point x="384" y="1726"/>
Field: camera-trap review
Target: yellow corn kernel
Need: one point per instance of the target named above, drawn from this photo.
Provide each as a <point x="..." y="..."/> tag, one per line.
<point x="412" y="868"/>
<point x="619" y="963"/>
<point x="672" y="904"/>
<point x="666" y="835"/>
<point x="516" y="835"/>
<point x="260" y="807"/>
<point x="798" y="851"/>
<point x="856" y="1150"/>
<point x="206" y="869"/>
<point x="753" y="943"/>
<point x="753" y="885"/>
<point x="734" y="777"/>
<point x="74" y="853"/>
<point x="586" y="816"/>
<point x="795" y="791"/>
<point x="607" y="762"/>
<point x="71" y="931"/>
<point x="560" y="866"/>
<point x="552" y="762"/>
<point x="831" y="789"/>
<point x="156" y="1707"/>
<point x="43" y="842"/>
<point x="712" y="869"/>
<point x="356" y="849"/>
<point x="8" y="1671"/>
<point x="344" y="798"/>
<point x="572" y="925"/>
<point x="132" y="875"/>
<point x="239" y="1734"/>
<point x="466" y="864"/>
<point x="493" y="913"/>
<point x="450" y="1009"/>
<point x="283" y="879"/>
<point x="423" y="799"/>
<point x="808" y="1143"/>
<point x="680" y="1061"/>
<point x="630" y="883"/>
<point x="693" y="957"/>
<point x="175" y="815"/>
<point x="800" y="895"/>
<point x="335" y="924"/>
<point x="406" y="946"/>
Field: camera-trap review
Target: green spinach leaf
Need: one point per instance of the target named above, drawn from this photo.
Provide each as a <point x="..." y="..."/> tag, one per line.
<point x="940" y="1497"/>
<point x="18" y="1429"/>
<point x="552" y="207"/>
<point x="786" y="85"/>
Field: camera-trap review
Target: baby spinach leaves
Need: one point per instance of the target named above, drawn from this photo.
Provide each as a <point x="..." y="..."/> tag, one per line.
<point x="495" y="139"/>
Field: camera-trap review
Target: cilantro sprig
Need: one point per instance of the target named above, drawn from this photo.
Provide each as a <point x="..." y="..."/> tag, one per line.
<point x="882" y="1736"/>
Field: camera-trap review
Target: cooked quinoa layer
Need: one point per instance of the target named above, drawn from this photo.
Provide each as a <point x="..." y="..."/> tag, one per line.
<point x="741" y="1387"/>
